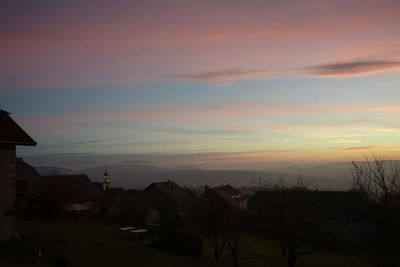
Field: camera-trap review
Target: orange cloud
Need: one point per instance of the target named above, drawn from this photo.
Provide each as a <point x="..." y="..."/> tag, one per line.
<point x="356" y="148"/>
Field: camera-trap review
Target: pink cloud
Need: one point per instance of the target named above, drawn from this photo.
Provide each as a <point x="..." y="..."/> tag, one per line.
<point x="354" y="68"/>
<point x="132" y="42"/>
<point x="344" y="69"/>
<point x="227" y="74"/>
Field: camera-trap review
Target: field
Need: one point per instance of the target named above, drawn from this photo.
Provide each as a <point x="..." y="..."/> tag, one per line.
<point x="91" y="243"/>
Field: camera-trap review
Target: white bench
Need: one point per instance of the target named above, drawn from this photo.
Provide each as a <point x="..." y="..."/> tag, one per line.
<point x="127" y="228"/>
<point x="139" y="234"/>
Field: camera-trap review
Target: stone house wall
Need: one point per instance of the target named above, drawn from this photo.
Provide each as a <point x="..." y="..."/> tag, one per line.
<point x="7" y="192"/>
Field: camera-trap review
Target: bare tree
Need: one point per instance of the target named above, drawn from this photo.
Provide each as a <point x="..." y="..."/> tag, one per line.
<point x="222" y="225"/>
<point x="378" y="180"/>
<point x="234" y="227"/>
<point x="212" y="221"/>
<point x="287" y="215"/>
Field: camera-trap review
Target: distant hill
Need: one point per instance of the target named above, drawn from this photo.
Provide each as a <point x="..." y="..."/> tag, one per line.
<point x="127" y="176"/>
<point x="51" y="170"/>
<point x="141" y="175"/>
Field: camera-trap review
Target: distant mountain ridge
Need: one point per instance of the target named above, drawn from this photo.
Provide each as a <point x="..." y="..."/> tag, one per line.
<point x="52" y="170"/>
<point x="141" y="175"/>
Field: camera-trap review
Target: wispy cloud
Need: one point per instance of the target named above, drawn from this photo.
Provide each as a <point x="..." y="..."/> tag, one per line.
<point x="330" y="136"/>
<point x="345" y="141"/>
<point x="226" y="111"/>
<point x="343" y="69"/>
<point x="356" y="148"/>
<point x="359" y="68"/>
<point x="226" y="74"/>
<point x="254" y="154"/>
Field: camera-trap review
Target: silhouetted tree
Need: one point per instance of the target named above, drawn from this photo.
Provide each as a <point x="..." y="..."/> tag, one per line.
<point x="287" y="215"/>
<point x="179" y="233"/>
<point x="213" y="224"/>
<point x="378" y="180"/>
<point x="234" y="228"/>
<point x="222" y="225"/>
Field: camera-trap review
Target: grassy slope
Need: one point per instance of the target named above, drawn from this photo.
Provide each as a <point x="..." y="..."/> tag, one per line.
<point x="97" y="244"/>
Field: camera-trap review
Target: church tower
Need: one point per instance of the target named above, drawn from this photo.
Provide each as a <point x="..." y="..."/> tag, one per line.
<point x="106" y="180"/>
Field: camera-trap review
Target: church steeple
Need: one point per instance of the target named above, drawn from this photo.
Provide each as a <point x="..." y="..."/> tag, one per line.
<point x="106" y="180"/>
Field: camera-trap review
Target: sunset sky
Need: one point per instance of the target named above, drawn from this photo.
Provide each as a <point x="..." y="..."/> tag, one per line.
<point x="227" y="81"/>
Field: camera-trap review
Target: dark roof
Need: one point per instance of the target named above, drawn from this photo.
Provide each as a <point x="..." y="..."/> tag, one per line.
<point x="24" y="171"/>
<point x="174" y="192"/>
<point x="67" y="188"/>
<point x="227" y="193"/>
<point x="135" y="200"/>
<point x="115" y="196"/>
<point x="11" y="133"/>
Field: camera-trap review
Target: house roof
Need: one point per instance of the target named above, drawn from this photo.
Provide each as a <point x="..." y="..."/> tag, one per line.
<point x="11" y="133"/>
<point x="174" y="192"/>
<point x="228" y="193"/>
<point x="24" y="171"/>
<point x="67" y="188"/>
<point x="115" y="196"/>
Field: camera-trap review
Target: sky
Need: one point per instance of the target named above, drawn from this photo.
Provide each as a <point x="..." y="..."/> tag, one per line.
<point x="228" y="82"/>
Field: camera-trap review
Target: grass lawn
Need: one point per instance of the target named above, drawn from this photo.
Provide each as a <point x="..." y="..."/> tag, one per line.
<point x="98" y="244"/>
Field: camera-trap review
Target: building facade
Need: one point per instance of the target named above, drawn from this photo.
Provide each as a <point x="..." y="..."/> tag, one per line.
<point x="11" y="135"/>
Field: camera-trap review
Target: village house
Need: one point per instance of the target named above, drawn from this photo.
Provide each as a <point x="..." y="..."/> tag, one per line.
<point x="122" y="204"/>
<point x="169" y="201"/>
<point x="11" y="135"/>
<point x="226" y="194"/>
<point x="65" y="193"/>
<point x="114" y="201"/>
<point x="127" y="205"/>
